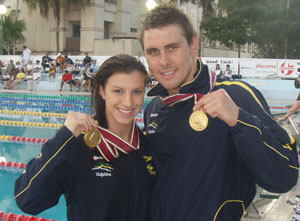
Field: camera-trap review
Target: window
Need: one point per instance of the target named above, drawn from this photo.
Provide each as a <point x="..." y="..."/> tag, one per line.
<point x="75" y="30"/>
<point x="133" y="30"/>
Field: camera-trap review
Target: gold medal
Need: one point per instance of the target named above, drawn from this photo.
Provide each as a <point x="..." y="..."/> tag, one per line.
<point x="198" y="120"/>
<point x="92" y="138"/>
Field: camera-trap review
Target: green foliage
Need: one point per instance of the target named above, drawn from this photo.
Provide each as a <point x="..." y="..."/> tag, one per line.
<point x="12" y="29"/>
<point x="55" y="5"/>
<point x="269" y="24"/>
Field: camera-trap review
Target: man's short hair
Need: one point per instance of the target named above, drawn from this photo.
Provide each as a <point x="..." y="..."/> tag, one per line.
<point x="164" y="15"/>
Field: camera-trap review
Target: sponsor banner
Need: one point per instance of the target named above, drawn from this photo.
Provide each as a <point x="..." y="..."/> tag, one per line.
<point x="288" y="68"/>
<point x="249" y="68"/>
<point x="258" y="67"/>
<point x="212" y="61"/>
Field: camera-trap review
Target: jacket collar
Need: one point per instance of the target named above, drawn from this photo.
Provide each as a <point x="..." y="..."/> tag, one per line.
<point x="199" y="84"/>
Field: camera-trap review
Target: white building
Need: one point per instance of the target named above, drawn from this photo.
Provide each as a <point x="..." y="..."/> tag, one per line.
<point x="105" y="27"/>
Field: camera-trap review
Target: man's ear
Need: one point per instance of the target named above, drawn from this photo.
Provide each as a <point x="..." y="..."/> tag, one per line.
<point x="195" y="46"/>
<point x="101" y="92"/>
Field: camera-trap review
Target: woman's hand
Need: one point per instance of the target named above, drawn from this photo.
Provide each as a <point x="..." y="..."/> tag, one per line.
<point x="78" y="122"/>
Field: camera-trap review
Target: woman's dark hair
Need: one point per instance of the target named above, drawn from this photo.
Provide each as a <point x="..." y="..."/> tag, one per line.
<point x="119" y="63"/>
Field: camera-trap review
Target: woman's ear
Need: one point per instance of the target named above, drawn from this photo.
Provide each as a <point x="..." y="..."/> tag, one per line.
<point x="101" y="92"/>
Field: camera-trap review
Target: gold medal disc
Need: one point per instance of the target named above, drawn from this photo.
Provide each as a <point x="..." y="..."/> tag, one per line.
<point x="92" y="138"/>
<point x="198" y="120"/>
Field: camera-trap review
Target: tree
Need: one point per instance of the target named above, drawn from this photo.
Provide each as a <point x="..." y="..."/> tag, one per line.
<point x="276" y="32"/>
<point x="233" y="23"/>
<point x="12" y="31"/>
<point x="56" y="6"/>
<point x="272" y="25"/>
<point x="207" y="11"/>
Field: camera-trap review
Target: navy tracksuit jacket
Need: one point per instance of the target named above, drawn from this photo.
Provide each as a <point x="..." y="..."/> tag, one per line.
<point x="211" y="174"/>
<point x="95" y="190"/>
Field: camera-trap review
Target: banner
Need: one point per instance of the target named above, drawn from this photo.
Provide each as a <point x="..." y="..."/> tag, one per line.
<point x="258" y="67"/>
<point x="288" y="68"/>
<point x="212" y="61"/>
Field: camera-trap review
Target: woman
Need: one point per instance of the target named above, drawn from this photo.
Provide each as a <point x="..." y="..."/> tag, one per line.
<point x="96" y="187"/>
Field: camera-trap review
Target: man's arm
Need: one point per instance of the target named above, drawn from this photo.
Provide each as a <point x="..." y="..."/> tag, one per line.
<point x="266" y="148"/>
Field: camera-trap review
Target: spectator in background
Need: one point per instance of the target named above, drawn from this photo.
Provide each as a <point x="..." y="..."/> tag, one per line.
<point x="60" y="62"/>
<point x="26" y="55"/>
<point x="46" y="60"/>
<point x="218" y="72"/>
<point x="34" y="80"/>
<point x="87" y="77"/>
<point x="29" y="68"/>
<point x="1" y="66"/>
<point x="18" y="66"/>
<point x="52" y="72"/>
<point x="93" y="68"/>
<point x="228" y="72"/>
<point x="19" y="79"/>
<point x="143" y="60"/>
<point x="292" y="110"/>
<point x="86" y="61"/>
<point x="10" y="69"/>
<point x="67" y="78"/>
<point x="77" y="77"/>
<point x="10" y="80"/>
<point x="38" y="65"/>
<point x="68" y="61"/>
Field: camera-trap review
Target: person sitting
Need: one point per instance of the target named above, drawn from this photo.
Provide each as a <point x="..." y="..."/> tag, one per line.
<point x="87" y="77"/>
<point x="78" y="78"/>
<point x="10" y="80"/>
<point x="94" y="67"/>
<point x="10" y="69"/>
<point x="52" y="72"/>
<point x="34" y="79"/>
<point x="218" y="72"/>
<point x="38" y="65"/>
<point x="60" y="62"/>
<point x="46" y="60"/>
<point x="29" y="68"/>
<point x="19" y="79"/>
<point x="228" y="72"/>
<point x="67" y="78"/>
<point x="68" y="62"/>
<point x="17" y="67"/>
<point x="87" y="61"/>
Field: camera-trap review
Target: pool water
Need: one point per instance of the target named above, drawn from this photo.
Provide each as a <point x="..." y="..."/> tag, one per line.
<point x="23" y="152"/>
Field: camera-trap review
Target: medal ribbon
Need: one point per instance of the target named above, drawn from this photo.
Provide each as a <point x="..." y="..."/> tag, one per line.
<point x="174" y="99"/>
<point x="111" y="143"/>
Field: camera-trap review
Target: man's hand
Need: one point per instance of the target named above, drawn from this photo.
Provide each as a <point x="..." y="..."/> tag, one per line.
<point x="219" y="104"/>
<point x="78" y="122"/>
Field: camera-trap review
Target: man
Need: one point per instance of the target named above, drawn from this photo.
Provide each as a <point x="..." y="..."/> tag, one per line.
<point x="86" y="61"/>
<point x="228" y="72"/>
<point x="26" y="55"/>
<point x="46" y="60"/>
<point x="67" y="78"/>
<point x="209" y="160"/>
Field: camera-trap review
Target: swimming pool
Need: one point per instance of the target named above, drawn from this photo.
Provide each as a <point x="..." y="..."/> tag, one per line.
<point x="26" y="121"/>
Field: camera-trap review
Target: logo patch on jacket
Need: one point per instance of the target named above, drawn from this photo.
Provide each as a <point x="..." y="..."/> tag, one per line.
<point x="150" y="168"/>
<point x="102" y="170"/>
<point x="151" y="128"/>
